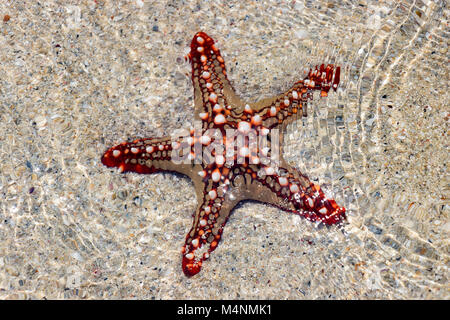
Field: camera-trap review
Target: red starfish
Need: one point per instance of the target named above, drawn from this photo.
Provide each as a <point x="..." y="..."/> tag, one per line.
<point x="223" y="179"/>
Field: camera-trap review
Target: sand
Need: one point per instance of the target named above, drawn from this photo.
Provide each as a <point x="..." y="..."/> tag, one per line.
<point x="77" y="77"/>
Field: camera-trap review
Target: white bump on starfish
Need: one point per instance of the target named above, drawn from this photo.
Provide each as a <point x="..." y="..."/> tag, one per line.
<point x="203" y="222"/>
<point x="202" y="173"/>
<point x="248" y="109"/>
<point x="286" y="102"/>
<point x="273" y="111"/>
<point x="310" y="202"/>
<point x="213" y="97"/>
<point x="200" y="49"/>
<point x="116" y="153"/>
<point x="208" y="209"/>
<point x="190" y="140"/>
<point x="121" y="168"/>
<point x="323" y="210"/>
<point x="209" y="85"/>
<point x="203" y="115"/>
<point x="212" y="194"/>
<point x="200" y="40"/>
<point x="294" y="188"/>
<point x="216" y="175"/>
<point x="219" y="119"/>
<point x="295" y="95"/>
<point x="254" y="160"/>
<point x="134" y="150"/>
<point x="220" y="160"/>
<point x="283" y="181"/>
<point x="189" y="256"/>
<point x="256" y="120"/>
<point x="217" y="108"/>
<point x="161" y="147"/>
<point x="195" y="243"/>
<point x="203" y="58"/>
<point x="149" y="149"/>
<point x="205" y="140"/>
<point x="244" y="126"/>
<point x="206" y="75"/>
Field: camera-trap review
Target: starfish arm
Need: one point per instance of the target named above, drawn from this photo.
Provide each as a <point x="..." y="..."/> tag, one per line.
<point x="150" y="155"/>
<point x="281" y="109"/>
<point x="292" y="191"/>
<point x="209" y="77"/>
<point x="209" y="220"/>
<point x="141" y="156"/>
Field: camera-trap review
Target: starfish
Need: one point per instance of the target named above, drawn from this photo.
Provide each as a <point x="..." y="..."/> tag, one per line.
<point x="246" y="170"/>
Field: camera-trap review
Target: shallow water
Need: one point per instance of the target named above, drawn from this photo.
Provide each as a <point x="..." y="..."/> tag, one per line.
<point x="78" y="78"/>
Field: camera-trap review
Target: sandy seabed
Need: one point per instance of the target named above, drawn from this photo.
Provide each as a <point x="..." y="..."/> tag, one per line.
<point x="77" y="77"/>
